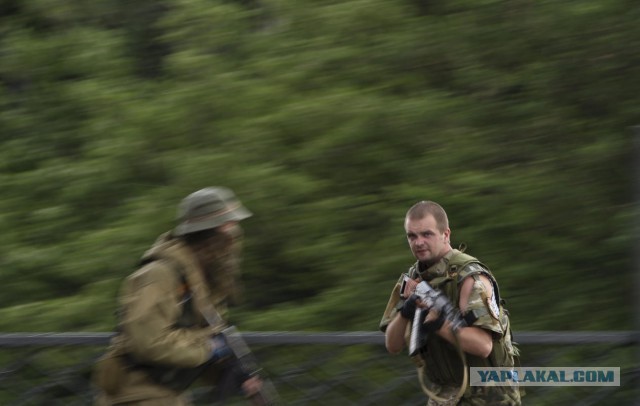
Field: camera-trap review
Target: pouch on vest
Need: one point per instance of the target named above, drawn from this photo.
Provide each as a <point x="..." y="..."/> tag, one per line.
<point x="108" y="373"/>
<point x="177" y="379"/>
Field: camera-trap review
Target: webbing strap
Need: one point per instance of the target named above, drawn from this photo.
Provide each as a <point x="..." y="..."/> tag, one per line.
<point x="465" y="378"/>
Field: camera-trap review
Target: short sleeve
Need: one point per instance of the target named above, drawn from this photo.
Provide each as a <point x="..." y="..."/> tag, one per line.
<point x="392" y="306"/>
<point x="484" y="308"/>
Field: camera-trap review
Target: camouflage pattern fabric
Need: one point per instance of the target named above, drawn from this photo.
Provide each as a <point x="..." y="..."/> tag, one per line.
<point x="161" y="321"/>
<point x="440" y="362"/>
<point x="479" y="396"/>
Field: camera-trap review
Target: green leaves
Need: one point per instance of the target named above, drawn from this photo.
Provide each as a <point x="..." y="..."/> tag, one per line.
<point x="329" y="120"/>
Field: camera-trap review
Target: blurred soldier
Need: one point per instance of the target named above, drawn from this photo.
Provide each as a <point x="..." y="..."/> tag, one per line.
<point x="479" y="336"/>
<point x="164" y="341"/>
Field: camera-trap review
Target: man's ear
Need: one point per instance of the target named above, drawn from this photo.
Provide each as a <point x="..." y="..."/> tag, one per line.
<point x="447" y="235"/>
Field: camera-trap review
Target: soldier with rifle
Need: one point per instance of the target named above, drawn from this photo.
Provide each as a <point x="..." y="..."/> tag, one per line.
<point x="447" y="309"/>
<point x="171" y="326"/>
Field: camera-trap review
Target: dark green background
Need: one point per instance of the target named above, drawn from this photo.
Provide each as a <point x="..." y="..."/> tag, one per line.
<point x="329" y="119"/>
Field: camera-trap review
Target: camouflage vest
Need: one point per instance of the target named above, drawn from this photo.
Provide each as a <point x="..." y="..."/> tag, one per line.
<point x="442" y="363"/>
<point x="194" y="292"/>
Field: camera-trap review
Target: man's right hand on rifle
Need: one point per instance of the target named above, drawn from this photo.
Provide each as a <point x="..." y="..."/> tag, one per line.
<point x="249" y="384"/>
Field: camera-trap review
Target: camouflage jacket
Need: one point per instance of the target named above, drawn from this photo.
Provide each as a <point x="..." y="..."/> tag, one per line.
<point x="439" y="360"/>
<point x="161" y="318"/>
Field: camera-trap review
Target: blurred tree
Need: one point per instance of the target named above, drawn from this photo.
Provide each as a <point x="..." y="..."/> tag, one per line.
<point x="329" y="119"/>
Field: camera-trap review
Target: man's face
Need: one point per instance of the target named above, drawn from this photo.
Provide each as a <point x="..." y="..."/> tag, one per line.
<point x="232" y="228"/>
<point x="427" y="243"/>
<point x="227" y="240"/>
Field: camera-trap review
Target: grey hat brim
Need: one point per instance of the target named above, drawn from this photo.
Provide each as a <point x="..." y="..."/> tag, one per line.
<point x="209" y="222"/>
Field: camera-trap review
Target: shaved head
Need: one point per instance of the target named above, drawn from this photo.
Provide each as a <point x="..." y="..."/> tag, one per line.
<point x="422" y="209"/>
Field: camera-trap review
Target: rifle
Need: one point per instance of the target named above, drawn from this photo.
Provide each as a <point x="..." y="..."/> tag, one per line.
<point x="436" y="300"/>
<point x="236" y="368"/>
<point x="243" y="364"/>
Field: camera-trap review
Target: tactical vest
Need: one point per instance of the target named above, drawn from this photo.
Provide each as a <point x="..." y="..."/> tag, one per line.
<point x="194" y="292"/>
<point x="442" y="363"/>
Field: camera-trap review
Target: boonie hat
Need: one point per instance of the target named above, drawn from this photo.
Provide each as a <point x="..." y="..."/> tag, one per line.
<point x="208" y="208"/>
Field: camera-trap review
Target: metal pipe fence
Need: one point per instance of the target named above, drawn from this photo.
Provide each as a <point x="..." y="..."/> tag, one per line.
<point x="335" y="368"/>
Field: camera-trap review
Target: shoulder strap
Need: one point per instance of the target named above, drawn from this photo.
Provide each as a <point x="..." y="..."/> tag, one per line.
<point x="204" y="307"/>
<point x="466" y="265"/>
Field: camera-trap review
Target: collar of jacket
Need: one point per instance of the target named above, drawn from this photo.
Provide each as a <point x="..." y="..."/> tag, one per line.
<point x="439" y="269"/>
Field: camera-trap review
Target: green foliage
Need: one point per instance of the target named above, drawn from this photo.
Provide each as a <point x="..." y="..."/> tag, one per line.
<point x="328" y="119"/>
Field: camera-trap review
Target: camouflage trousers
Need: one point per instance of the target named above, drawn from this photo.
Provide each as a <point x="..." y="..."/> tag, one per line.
<point x="448" y="393"/>
<point x="479" y="396"/>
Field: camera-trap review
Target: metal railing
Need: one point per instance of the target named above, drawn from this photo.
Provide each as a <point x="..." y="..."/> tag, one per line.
<point x="336" y="368"/>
